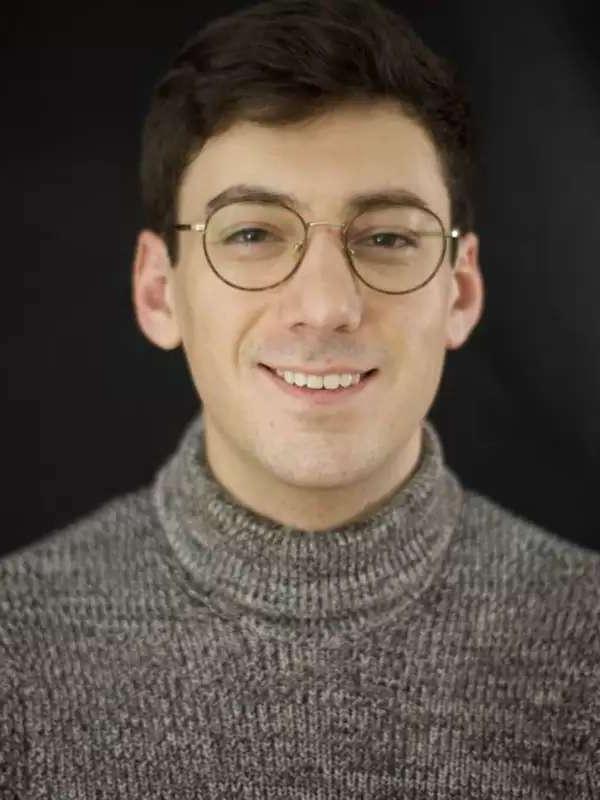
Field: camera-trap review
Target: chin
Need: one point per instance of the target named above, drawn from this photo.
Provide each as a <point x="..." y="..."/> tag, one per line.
<point x="319" y="471"/>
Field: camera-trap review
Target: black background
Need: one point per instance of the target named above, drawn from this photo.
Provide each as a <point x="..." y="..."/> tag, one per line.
<point x="92" y="408"/>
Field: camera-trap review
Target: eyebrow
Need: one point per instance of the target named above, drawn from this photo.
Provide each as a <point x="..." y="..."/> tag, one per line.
<point x="354" y="204"/>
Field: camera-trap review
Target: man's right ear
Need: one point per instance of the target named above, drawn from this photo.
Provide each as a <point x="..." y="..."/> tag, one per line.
<point x="153" y="291"/>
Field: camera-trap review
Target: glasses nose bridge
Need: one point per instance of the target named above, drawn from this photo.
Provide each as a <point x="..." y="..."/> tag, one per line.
<point x="326" y="224"/>
<point x="323" y="224"/>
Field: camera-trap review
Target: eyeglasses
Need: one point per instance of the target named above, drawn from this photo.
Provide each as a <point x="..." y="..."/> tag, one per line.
<point x="254" y="245"/>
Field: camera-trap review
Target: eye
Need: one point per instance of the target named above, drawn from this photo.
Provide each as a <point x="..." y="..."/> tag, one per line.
<point x="389" y="239"/>
<point x="247" y="236"/>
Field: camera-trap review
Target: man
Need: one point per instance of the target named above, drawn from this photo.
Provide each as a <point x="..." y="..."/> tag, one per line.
<point x="306" y="602"/>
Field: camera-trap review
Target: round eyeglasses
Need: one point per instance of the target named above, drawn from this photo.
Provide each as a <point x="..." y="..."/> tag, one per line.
<point x="254" y="245"/>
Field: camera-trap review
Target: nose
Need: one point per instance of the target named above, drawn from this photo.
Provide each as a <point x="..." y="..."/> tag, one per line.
<point x="324" y="292"/>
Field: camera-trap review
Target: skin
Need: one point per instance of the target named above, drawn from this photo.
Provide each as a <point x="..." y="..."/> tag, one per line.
<point x="321" y="467"/>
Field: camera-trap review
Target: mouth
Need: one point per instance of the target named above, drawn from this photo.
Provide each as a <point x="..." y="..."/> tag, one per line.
<point x="320" y="396"/>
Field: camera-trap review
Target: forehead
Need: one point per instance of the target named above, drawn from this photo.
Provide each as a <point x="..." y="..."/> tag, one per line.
<point x="322" y="161"/>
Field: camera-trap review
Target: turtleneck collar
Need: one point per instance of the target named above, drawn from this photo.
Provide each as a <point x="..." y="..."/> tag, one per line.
<point x="286" y="583"/>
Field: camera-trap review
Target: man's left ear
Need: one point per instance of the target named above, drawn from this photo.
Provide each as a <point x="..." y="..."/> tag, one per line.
<point x="467" y="294"/>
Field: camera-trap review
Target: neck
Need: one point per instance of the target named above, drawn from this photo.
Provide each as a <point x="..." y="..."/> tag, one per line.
<point x="308" y="507"/>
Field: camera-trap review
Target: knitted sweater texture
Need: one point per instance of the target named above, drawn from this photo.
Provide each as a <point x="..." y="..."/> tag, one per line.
<point x="174" y="644"/>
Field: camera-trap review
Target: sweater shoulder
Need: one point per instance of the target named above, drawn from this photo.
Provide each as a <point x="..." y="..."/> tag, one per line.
<point x="84" y="553"/>
<point x="528" y="554"/>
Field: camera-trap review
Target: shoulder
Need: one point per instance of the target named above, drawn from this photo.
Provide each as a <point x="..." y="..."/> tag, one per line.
<point x="526" y="593"/>
<point x="532" y="602"/>
<point x="520" y="554"/>
<point x="84" y="553"/>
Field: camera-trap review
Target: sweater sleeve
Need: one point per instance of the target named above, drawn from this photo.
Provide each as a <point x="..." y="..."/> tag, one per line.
<point x="591" y="777"/>
<point x="12" y="726"/>
<point x="592" y="787"/>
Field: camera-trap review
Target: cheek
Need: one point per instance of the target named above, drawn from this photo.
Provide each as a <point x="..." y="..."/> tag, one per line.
<point x="419" y="319"/>
<point x="205" y="332"/>
<point x="212" y="332"/>
<point x="422" y="347"/>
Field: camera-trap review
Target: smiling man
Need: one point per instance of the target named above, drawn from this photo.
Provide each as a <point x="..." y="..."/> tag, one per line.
<point x="313" y="458"/>
<point x="306" y="601"/>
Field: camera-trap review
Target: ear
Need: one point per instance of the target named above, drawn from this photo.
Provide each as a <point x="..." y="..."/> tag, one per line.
<point x="467" y="294"/>
<point x="152" y="291"/>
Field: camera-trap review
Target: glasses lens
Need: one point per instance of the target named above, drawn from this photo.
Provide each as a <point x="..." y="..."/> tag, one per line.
<point x="396" y="249"/>
<point x="254" y="245"/>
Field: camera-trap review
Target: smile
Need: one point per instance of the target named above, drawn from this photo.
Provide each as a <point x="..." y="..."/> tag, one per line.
<point x="314" y="390"/>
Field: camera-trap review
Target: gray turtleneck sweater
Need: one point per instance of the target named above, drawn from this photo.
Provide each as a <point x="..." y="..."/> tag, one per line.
<point x="174" y="644"/>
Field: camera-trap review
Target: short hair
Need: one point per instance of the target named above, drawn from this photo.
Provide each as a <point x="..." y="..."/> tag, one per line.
<point x="285" y="61"/>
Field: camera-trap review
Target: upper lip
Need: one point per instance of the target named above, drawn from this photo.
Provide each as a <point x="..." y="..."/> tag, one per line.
<point x="333" y="369"/>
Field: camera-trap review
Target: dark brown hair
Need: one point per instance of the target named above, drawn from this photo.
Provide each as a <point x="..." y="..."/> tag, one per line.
<point x="284" y="61"/>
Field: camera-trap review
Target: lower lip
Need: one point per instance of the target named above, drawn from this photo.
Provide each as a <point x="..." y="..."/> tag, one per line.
<point x="323" y="397"/>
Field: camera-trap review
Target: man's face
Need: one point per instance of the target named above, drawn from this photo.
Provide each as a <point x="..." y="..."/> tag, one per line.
<point x="323" y="315"/>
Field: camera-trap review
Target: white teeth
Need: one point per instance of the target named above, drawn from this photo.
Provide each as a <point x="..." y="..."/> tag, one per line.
<point x="333" y="381"/>
<point x="299" y="380"/>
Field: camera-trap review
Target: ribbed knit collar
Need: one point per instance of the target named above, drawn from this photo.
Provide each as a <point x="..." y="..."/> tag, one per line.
<point x="287" y="583"/>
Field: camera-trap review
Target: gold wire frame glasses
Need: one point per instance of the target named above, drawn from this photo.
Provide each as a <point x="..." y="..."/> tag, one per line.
<point x="266" y="262"/>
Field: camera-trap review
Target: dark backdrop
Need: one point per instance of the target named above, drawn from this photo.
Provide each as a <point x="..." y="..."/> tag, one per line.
<point x="92" y="408"/>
